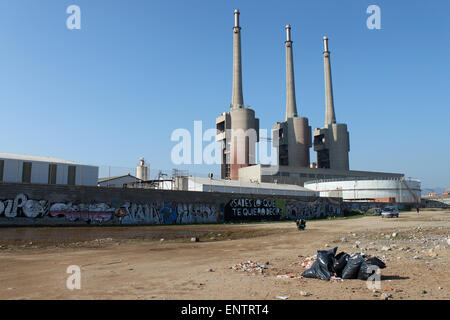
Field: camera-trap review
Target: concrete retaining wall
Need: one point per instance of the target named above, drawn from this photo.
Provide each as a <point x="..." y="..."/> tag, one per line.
<point x="36" y="204"/>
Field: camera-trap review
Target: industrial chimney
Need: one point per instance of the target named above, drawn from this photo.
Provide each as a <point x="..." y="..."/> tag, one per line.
<point x="331" y="142"/>
<point x="292" y="137"/>
<point x="238" y="129"/>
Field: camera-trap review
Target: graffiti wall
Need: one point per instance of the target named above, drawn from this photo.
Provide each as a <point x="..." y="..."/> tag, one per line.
<point x="154" y="212"/>
<point x="28" y="204"/>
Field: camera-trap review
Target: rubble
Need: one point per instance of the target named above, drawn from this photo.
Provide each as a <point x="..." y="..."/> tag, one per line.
<point x="288" y="276"/>
<point x="249" y="266"/>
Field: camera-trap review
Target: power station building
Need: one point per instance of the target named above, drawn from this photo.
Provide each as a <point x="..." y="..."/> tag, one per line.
<point x="238" y="129"/>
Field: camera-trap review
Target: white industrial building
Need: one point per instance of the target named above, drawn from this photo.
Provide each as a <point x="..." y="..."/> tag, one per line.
<point x="117" y="181"/>
<point x="369" y="190"/>
<point x="33" y="169"/>
<point x="233" y="186"/>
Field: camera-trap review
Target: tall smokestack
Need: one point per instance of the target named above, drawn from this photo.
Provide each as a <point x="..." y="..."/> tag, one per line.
<point x="330" y="116"/>
<point x="237" y="100"/>
<point x="291" y="106"/>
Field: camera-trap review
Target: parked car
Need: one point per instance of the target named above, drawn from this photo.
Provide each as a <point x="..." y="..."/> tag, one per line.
<point x="389" y="212"/>
<point x="377" y="211"/>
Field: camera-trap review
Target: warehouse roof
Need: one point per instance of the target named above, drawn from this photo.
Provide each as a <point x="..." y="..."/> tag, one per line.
<point x="117" y="177"/>
<point x="35" y="158"/>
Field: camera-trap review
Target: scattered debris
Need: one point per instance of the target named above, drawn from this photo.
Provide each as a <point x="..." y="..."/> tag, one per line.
<point x="249" y="266"/>
<point x="308" y="262"/>
<point x="288" y="276"/>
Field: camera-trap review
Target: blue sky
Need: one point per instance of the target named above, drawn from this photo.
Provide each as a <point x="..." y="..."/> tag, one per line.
<point x="137" y="70"/>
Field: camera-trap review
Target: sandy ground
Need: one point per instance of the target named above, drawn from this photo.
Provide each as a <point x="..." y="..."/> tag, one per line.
<point x="132" y="262"/>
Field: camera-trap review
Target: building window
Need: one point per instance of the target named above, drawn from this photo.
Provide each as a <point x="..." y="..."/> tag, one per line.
<point x="2" y="165"/>
<point x="52" y="169"/>
<point x="71" y="175"/>
<point x="26" y="172"/>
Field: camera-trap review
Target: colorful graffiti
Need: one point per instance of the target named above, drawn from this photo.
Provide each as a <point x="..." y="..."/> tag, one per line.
<point x="158" y="212"/>
<point x="155" y="212"/>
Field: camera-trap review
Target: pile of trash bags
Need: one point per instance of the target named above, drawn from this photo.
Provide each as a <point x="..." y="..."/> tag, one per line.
<point x="343" y="265"/>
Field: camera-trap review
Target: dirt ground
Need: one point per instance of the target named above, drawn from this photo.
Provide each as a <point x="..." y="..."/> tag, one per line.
<point x="133" y="263"/>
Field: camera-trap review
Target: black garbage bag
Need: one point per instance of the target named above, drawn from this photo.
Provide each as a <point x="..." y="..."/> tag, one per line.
<point x="323" y="266"/>
<point x="352" y="268"/>
<point x="370" y="267"/>
<point x="377" y="262"/>
<point x="339" y="262"/>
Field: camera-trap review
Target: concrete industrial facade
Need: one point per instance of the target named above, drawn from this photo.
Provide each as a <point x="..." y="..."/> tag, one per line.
<point x="298" y="175"/>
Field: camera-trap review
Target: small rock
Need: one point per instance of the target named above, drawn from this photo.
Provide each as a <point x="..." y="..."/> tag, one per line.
<point x="210" y="270"/>
<point x="432" y="253"/>
<point x="395" y="234"/>
<point x="344" y="239"/>
<point x="386" y="248"/>
<point x="267" y="263"/>
<point x="194" y="239"/>
<point x="440" y="288"/>
<point x="385" y="296"/>
<point x="448" y="241"/>
<point x="326" y="245"/>
<point x="423" y="292"/>
<point x="305" y="293"/>
<point x="282" y="297"/>
<point x="161" y="240"/>
<point x="213" y="238"/>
